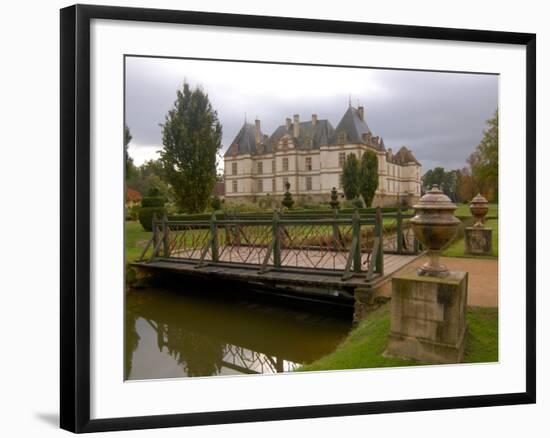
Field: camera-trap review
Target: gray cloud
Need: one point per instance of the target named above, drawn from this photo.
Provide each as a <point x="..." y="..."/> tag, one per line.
<point x="440" y="116"/>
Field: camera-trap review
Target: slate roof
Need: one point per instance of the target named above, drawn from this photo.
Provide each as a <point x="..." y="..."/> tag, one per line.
<point x="352" y="124"/>
<point x="313" y="136"/>
<point x="319" y="134"/>
<point x="246" y="140"/>
<point x="404" y="156"/>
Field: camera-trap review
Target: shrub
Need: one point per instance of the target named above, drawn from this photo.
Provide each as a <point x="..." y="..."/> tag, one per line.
<point x="215" y="203"/>
<point x="150" y="206"/>
<point x="146" y="216"/>
<point x="152" y="201"/>
<point x="334" y="203"/>
<point x="266" y="202"/>
<point x="287" y="201"/>
<point x="358" y="203"/>
<point x="132" y="213"/>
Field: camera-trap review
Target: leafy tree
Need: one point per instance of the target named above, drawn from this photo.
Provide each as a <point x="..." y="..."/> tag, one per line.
<point x="446" y="180"/>
<point x="466" y="188"/>
<point x="484" y="161"/>
<point x="435" y="176"/>
<point x="350" y="177"/>
<point x="129" y="162"/>
<point x="191" y="136"/>
<point x="148" y="176"/>
<point x="368" y="177"/>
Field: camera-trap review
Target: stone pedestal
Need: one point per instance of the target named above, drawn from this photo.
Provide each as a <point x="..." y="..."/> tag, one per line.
<point x="478" y="241"/>
<point x="428" y="317"/>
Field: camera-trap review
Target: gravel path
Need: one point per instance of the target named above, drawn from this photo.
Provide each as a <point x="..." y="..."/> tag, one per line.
<point x="482" y="279"/>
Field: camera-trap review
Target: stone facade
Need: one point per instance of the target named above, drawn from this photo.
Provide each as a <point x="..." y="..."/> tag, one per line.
<point x="428" y="317"/>
<point x="310" y="156"/>
<point x="478" y="241"/>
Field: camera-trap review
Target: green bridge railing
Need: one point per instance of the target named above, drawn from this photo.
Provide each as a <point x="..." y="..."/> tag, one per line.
<point x="343" y="244"/>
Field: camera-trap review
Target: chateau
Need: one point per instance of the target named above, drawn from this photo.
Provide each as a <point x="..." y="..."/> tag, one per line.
<point x="310" y="156"/>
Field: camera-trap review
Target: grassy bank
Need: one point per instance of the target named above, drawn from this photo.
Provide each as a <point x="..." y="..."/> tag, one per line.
<point x="365" y="344"/>
<point x="135" y="240"/>
<point x="456" y="249"/>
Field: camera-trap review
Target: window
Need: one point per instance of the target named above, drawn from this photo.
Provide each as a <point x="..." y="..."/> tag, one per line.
<point x="260" y="167"/>
<point x="273" y="185"/>
<point x="233" y="168"/>
<point x="341" y="159"/>
<point x="235" y="186"/>
<point x="273" y="166"/>
<point x="260" y="185"/>
<point x="285" y="164"/>
<point x="308" y="163"/>
<point x="285" y="143"/>
<point x="308" y="143"/>
<point x="340" y="181"/>
<point x="308" y="183"/>
<point x="342" y="137"/>
<point x="285" y="182"/>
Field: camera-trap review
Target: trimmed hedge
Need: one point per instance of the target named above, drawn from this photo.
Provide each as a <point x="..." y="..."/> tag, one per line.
<point x="146" y="216"/>
<point x="222" y="215"/>
<point x="152" y="201"/>
<point x="151" y="205"/>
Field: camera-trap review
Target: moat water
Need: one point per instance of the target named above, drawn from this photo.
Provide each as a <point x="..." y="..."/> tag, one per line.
<point x="173" y="333"/>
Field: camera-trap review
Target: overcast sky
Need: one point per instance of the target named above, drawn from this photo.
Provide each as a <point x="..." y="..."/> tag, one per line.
<point x="439" y="116"/>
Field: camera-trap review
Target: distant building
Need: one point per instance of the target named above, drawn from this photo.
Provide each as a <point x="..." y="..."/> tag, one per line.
<point x="310" y="156"/>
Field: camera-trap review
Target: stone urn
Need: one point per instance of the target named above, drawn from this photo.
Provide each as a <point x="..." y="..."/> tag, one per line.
<point x="434" y="226"/>
<point x="479" y="206"/>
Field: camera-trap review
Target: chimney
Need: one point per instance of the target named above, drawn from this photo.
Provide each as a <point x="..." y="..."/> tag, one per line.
<point x="296" y="125"/>
<point x="361" y="111"/>
<point x="258" y="132"/>
<point x="314" y="119"/>
<point x="288" y="123"/>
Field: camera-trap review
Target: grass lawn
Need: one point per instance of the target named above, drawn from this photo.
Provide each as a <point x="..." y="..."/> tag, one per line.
<point x="135" y="240"/>
<point x="456" y="249"/>
<point x="365" y="344"/>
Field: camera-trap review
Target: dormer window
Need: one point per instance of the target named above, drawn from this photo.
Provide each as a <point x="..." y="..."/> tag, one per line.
<point x="308" y="143"/>
<point x="342" y="137"/>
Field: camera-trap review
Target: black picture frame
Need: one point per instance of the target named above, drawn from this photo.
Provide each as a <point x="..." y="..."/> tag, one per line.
<point x="75" y="217"/>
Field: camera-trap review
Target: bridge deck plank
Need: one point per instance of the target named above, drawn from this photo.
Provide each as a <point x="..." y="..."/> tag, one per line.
<point x="243" y="272"/>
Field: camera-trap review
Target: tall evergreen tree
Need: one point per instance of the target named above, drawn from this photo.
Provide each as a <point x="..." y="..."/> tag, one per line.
<point x="350" y="177"/>
<point x="191" y="136"/>
<point x="368" y="177"/>
<point x="129" y="162"/>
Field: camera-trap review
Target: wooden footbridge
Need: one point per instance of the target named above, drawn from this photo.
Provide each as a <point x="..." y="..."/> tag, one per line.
<point x="329" y="253"/>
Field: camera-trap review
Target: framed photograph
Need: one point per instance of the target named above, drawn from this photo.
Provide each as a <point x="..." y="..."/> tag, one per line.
<point x="268" y="218"/>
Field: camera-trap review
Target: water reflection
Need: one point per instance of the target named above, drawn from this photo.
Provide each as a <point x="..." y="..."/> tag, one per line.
<point x="170" y="334"/>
